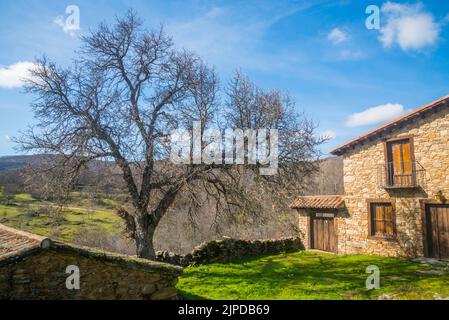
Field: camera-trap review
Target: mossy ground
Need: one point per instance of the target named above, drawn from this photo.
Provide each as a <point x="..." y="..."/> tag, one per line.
<point x="311" y="275"/>
<point x="79" y="213"/>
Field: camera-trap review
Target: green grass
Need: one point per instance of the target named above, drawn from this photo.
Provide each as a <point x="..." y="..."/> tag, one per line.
<point x="81" y="213"/>
<point x="24" y="197"/>
<point x="311" y="275"/>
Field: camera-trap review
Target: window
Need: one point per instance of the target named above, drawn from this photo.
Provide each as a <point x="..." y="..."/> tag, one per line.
<point x="381" y="219"/>
<point x="400" y="163"/>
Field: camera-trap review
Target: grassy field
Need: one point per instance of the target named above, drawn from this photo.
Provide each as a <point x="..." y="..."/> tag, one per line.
<point x="310" y="275"/>
<point x="33" y="215"/>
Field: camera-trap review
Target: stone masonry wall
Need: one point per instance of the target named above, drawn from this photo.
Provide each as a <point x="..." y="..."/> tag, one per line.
<point x="230" y="249"/>
<point x="304" y="227"/>
<point x="431" y="148"/>
<point x="42" y="276"/>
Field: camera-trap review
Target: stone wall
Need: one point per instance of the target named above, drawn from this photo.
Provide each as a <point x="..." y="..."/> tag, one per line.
<point x="431" y="148"/>
<point x="230" y="249"/>
<point x="41" y="275"/>
<point x="304" y="227"/>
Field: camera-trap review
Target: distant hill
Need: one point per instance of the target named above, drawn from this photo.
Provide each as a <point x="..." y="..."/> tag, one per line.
<point x="14" y="162"/>
<point x="19" y="162"/>
<point x="328" y="180"/>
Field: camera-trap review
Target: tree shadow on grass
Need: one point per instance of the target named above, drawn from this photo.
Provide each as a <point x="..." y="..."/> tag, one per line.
<point x="309" y="276"/>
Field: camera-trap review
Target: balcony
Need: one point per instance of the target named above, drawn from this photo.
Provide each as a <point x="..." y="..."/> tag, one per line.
<point x="406" y="174"/>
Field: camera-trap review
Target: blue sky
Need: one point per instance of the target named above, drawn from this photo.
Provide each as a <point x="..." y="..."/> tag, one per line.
<point x="346" y="77"/>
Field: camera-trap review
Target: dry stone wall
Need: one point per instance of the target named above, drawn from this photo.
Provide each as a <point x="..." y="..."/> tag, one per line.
<point x="226" y="250"/>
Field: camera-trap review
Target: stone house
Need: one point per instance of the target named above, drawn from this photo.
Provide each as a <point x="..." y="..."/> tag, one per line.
<point x="396" y="180"/>
<point x="35" y="267"/>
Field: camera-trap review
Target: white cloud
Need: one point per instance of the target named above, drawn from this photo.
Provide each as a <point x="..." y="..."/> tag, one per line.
<point x="69" y="28"/>
<point x="8" y="138"/>
<point x="375" y="115"/>
<point x="337" y="36"/>
<point x="12" y="76"/>
<point x="328" y="134"/>
<point x="408" y="26"/>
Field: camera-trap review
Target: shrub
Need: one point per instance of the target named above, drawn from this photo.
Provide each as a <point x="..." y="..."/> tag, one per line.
<point x="100" y="238"/>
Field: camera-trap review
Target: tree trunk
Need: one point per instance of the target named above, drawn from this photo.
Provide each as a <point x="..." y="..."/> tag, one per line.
<point x="144" y="237"/>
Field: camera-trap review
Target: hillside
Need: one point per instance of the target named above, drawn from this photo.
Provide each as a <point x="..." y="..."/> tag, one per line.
<point x="21" y="161"/>
<point x="14" y="162"/>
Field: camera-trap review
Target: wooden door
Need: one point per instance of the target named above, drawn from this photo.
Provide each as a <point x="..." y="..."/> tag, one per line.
<point x="437" y="223"/>
<point x="400" y="163"/>
<point x="323" y="235"/>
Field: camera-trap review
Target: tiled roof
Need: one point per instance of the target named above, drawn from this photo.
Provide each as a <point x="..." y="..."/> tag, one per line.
<point x="434" y="104"/>
<point x="318" y="202"/>
<point x="16" y="242"/>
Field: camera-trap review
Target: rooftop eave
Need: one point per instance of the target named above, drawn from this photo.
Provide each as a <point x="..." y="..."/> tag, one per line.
<point x="333" y="202"/>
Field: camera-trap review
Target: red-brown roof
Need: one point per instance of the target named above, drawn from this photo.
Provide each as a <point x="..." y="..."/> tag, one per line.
<point x="318" y="202"/>
<point x="15" y="242"/>
<point x="444" y="101"/>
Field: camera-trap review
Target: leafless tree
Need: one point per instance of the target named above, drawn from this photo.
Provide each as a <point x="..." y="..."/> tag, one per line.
<point x="250" y="107"/>
<point x="121" y="99"/>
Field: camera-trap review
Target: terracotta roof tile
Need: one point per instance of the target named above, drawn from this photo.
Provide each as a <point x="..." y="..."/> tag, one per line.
<point x="318" y="202"/>
<point x="440" y="102"/>
<point x="16" y="242"/>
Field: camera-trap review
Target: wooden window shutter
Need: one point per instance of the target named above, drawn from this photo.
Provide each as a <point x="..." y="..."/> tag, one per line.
<point x="379" y="218"/>
<point x="397" y="158"/>
<point x="388" y="213"/>
<point x="382" y="219"/>
<point x="406" y="157"/>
